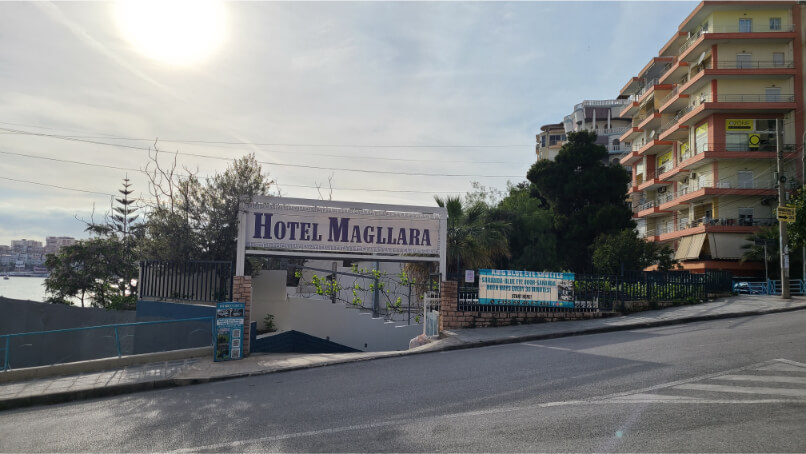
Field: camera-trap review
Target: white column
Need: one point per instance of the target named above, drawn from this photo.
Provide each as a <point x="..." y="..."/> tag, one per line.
<point x="240" y="258"/>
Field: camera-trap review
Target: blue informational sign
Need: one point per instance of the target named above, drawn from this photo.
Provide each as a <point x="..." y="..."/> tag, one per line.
<point x="526" y="288"/>
<point x="228" y="331"/>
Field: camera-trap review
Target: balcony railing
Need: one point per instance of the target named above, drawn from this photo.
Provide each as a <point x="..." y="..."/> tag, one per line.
<point x="748" y="98"/>
<point x="602" y="103"/>
<point x="611" y="131"/>
<point x="764" y="148"/>
<point x="755" y="64"/>
<point x="671" y="95"/>
<point x="734" y="28"/>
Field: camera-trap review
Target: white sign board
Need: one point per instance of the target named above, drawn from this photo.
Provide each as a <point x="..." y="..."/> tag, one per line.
<point x="470" y="275"/>
<point x="329" y="229"/>
<point x="526" y="288"/>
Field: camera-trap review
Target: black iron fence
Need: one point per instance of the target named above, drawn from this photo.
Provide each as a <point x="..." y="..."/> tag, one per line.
<point x="201" y="281"/>
<point x="607" y="293"/>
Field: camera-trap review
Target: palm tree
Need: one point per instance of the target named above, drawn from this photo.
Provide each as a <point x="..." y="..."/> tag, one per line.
<point x="475" y="239"/>
<point x="754" y="250"/>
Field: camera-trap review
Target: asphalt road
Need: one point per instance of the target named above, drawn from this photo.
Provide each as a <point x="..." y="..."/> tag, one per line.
<point x="734" y="385"/>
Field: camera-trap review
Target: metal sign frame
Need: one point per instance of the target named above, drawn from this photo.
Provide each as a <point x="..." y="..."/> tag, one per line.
<point x="247" y="207"/>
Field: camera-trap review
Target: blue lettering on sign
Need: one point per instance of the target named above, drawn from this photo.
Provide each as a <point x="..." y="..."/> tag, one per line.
<point x="338" y="229"/>
<point x="266" y="226"/>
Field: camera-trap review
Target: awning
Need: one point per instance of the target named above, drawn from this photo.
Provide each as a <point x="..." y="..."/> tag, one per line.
<point x="682" y="248"/>
<point x="726" y="245"/>
<point x="690" y="247"/>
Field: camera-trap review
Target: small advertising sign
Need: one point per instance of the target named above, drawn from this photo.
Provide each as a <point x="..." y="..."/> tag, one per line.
<point x="526" y="288"/>
<point x="786" y="214"/>
<point x="739" y="125"/>
<point x="470" y="276"/>
<point x="229" y="323"/>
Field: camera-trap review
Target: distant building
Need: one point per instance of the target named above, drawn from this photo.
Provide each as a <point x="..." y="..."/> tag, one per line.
<point x="24" y="246"/>
<point x="54" y="244"/>
<point x="604" y="118"/>
<point x="599" y="116"/>
<point x="550" y="140"/>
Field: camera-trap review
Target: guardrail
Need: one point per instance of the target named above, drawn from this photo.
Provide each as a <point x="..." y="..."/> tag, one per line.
<point x="111" y="337"/>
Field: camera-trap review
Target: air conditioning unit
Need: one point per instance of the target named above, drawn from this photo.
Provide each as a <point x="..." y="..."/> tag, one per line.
<point x="661" y="189"/>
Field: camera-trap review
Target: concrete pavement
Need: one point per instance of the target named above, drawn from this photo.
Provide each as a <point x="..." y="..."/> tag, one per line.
<point x="200" y="370"/>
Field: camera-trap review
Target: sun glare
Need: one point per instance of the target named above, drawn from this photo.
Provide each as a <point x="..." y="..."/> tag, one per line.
<point x="177" y="32"/>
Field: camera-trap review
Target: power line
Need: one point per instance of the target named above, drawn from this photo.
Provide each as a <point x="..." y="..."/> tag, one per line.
<point x="198" y="155"/>
<point x="280" y="144"/>
<point x="57" y="186"/>
<point x="132" y="169"/>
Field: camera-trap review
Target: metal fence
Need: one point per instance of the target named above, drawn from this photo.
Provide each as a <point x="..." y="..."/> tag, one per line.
<point x="202" y="281"/>
<point x="605" y="293"/>
<point x="43" y="348"/>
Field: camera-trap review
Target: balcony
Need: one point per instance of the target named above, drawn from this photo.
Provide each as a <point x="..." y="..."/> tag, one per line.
<point x="648" y="209"/>
<point x="649" y="121"/>
<point x="694" y="44"/>
<point x="675" y="72"/>
<point x="672" y="129"/>
<point x="673" y="101"/>
<point x="654" y="146"/>
<point x="704" y="188"/>
<point x="696" y="158"/>
<point x="707" y="104"/>
<point x="684" y="227"/>
<point x="739" y="70"/>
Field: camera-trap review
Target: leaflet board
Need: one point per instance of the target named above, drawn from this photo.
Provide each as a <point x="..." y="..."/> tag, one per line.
<point x="526" y="288"/>
<point x="229" y="323"/>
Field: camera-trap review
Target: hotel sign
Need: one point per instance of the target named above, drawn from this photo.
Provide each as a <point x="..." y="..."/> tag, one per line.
<point x="278" y="225"/>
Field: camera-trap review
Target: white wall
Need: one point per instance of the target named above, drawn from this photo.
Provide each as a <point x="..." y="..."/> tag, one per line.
<point x="319" y="317"/>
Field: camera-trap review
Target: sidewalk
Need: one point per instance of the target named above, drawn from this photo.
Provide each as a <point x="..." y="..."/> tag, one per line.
<point x="201" y="370"/>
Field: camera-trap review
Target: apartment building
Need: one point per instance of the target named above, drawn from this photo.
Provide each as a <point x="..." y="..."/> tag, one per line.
<point x="550" y="140"/>
<point x="708" y="114"/>
<point x="54" y="244"/>
<point x="603" y="118"/>
<point x="599" y="116"/>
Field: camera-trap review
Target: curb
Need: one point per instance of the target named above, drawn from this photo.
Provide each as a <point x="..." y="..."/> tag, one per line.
<point x="129" y="388"/>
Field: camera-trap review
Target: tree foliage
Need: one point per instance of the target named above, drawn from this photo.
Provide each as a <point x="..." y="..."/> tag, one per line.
<point x="617" y="252"/>
<point x="586" y="197"/>
<point x="475" y="238"/>
<point x="532" y="242"/>
<point x="194" y="220"/>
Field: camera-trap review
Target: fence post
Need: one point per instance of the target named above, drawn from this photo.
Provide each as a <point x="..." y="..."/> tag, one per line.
<point x="376" y="306"/>
<point x="8" y="346"/>
<point x="117" y="341"/>
<point x="409" y="310"/>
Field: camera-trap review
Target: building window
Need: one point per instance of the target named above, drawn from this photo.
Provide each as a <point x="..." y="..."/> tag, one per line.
<point x="745" y="25"/>
<point x="778" y="59"/>
<point x="775" y="23"/>
<point x="744" y="61"/>
<point x="772" y="94"/>
<point x="745" y="179"/>
<point x="746" y="216"/>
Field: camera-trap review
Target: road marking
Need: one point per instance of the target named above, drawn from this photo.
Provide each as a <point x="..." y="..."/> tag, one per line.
<point x="639" y="396"/>
<point x="744" y="389"/>
<point x="765" y="379"/>
<point x="781" y="367"/>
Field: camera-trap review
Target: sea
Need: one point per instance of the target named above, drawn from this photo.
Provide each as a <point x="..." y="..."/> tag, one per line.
<point x="23" y="288"/>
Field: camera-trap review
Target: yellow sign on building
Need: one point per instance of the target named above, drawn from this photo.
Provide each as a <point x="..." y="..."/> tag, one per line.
<point x="753" y="140"/>
<point x="738" y="125"/>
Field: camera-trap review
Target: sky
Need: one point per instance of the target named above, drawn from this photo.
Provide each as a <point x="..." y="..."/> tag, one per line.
<point x="386" y="102"/>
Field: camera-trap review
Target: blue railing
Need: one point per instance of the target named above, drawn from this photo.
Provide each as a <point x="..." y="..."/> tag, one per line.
<point x="61" y="345"/>
<point x="771" y="287"/>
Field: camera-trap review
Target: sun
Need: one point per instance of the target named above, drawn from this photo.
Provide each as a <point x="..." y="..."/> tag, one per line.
<point x="176" y="32"/>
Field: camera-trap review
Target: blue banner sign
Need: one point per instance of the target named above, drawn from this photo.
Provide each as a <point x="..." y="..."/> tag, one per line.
<point x="526" y="288"/>
<point x="228" y="335"/>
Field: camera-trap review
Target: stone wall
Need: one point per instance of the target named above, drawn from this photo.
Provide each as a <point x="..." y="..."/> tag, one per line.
<point x="242" y="293"/>
<point x="451" y="318"/>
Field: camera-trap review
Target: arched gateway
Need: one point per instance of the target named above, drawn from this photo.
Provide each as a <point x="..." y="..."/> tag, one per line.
<point x="324" y="229"/>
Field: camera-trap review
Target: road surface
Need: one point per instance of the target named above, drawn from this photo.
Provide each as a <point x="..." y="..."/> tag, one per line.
<point x="734" y="385"/>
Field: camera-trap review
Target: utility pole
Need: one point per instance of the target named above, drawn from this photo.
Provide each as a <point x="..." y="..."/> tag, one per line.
<point x="802" y="186"/>
<point x="782" y="224"/>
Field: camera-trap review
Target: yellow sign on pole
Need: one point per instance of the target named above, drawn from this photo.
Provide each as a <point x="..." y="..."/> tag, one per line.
<point x="786" y="214"/>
